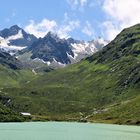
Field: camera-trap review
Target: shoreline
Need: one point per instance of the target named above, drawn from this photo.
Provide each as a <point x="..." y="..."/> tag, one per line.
<point x="72" y="120"/>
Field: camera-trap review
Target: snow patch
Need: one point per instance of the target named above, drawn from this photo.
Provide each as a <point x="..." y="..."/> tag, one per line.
<point x="4" y="46"/>
<point x="19" y="35"/>
<point x="33" y="71"/>
<point x="26" y="114"/>
<point x="83" y="48"/>
<point x="53" y="63"/>
<point x="42" y="61"/>
<point x="57" y="62"/>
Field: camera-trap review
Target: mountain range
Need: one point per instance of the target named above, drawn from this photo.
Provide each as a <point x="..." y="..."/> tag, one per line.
<point x="50" y="49"/>
<point x="103" y="87"/>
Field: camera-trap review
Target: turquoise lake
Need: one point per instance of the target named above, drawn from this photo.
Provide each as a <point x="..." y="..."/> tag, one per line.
<point x="67" y="131"/>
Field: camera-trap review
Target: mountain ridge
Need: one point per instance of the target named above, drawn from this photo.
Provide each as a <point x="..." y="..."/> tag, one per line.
<point x="50" y="49"/>
<point x="64" y="51"/>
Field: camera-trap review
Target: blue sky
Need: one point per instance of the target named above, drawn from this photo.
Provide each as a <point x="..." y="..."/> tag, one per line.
<point x="80" y="19"/>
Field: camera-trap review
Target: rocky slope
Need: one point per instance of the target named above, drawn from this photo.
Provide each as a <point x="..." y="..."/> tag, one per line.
<point x="9" y="61"/>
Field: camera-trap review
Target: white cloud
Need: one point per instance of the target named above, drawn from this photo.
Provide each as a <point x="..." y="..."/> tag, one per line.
<point x="126" y="11"/>
<point x="42" y="28"/>
<point x="88" y="29"/>
<point x="110" y="30"/>
<point x="63" y="31"/>
<point x="67" y="26"/>
<point x="121" y="14"/>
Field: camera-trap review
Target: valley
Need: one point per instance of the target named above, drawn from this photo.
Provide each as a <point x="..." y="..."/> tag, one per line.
<point x="102" y="87"/>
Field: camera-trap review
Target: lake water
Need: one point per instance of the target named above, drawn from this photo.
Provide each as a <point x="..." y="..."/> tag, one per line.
<point x="67" y="131"/>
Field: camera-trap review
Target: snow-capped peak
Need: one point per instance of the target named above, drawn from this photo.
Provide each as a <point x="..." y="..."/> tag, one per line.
<point x="83" y="49"/>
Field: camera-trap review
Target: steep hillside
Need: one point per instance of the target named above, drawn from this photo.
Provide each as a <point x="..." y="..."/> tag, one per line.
<point x="12" y="78"/>
<point x="7" y="60"/>
<point x="6" y="115"/>
<point x="11" y="75"/>
<point x="126" y="112"/>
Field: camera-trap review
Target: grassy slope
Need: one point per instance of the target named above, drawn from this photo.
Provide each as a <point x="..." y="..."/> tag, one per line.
<point x="85" y="87"/>
<point x="14" y="78"/>
<point x="126" y="112"/>
<point x="10" y="78"/>
<point x="6" y="115"/>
